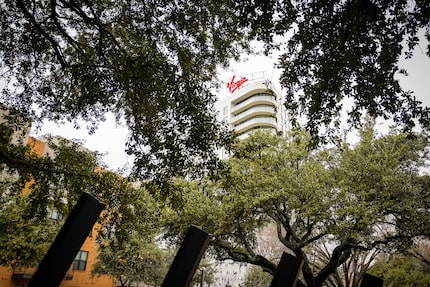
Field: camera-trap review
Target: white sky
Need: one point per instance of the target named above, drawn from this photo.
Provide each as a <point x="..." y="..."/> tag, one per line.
<point x="110" y="139"/>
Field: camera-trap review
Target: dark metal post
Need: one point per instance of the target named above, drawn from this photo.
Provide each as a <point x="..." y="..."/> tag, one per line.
<point x="187" y="259"/>
<point x="69" y="240"/>
<point x="371" y="281"/>
<point x="202" y="278"/>
<point x="287" y="273"/>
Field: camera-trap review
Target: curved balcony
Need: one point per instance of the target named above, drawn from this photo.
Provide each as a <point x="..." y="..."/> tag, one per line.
<point x="259" y="110"/>
<point x="268" y="121"/>
<point x="250" y="88"/>
<point x="257" y="99"/>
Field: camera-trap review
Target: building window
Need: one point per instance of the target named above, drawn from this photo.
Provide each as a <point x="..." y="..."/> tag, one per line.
<point x="80" y="262"/>
<point x="54" y="215"/>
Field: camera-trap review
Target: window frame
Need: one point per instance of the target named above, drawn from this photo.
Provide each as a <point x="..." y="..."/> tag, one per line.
<point x="80" y="262"/>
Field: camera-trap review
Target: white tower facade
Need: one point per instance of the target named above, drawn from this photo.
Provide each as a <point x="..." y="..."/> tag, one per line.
<point x="251" y="103"/>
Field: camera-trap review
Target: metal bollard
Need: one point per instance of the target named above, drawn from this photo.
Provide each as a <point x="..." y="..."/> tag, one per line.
<point x="187" y="259"/>
<point x="287" y="273"/>
<point x="69" y="240"/>
<point x="371" y="281"/>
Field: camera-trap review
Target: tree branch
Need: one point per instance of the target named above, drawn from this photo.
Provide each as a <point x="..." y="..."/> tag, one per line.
<point x="239" y="256"/>
<point x="243" y="237"/>
<point x="54" y="44"/>
<point x="94" y="21"/>
<point x="340" y="254"/>
<point x="54" y="17"/>
<point x="18" y="162"/>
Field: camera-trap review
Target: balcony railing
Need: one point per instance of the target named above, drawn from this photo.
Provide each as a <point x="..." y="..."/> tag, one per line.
<point x="259" y="121"/>
<point x="252" y="101"/>
<point x="260" y="110"/>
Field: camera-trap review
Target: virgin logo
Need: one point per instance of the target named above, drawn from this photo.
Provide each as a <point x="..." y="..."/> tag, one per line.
<point x="234" y="85"/>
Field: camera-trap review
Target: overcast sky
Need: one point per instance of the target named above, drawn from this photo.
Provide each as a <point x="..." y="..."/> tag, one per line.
<point x="110" y="139"/>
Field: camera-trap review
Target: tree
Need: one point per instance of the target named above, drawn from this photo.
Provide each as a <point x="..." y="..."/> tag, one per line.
<point x="23" y="239"/>
<point x="351" y="272"/>
<point x="348" y="52"/>
<point x="151" y="63"/>
<point x="255" y="277"/>
<point x="350" y="197"/>
<point x="33" y="185"/>
<point x="128" y="250"/>
<point x="399" y="270"/>
<point x="136" y="261"/>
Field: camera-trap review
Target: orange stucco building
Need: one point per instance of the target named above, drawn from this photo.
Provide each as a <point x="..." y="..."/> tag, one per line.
<point x="79" y="273"/>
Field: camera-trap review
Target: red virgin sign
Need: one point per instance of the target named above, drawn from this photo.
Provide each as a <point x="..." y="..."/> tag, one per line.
<point x="234" y="85"/>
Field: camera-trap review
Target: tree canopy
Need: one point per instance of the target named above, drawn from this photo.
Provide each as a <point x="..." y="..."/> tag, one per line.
<point x="399" y="270"/>
<point x="151" y="63"/>
<point x="255" y="277"/>
<point x="350" y="197"/>
<point x="154" y="65"/>
<point x="346" y="53"/>
<point x="128" y="249"/>
<point x="36" y="186"/>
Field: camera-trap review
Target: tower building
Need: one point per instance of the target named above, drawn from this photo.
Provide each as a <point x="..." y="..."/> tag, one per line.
<point x="251" y="103"/>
